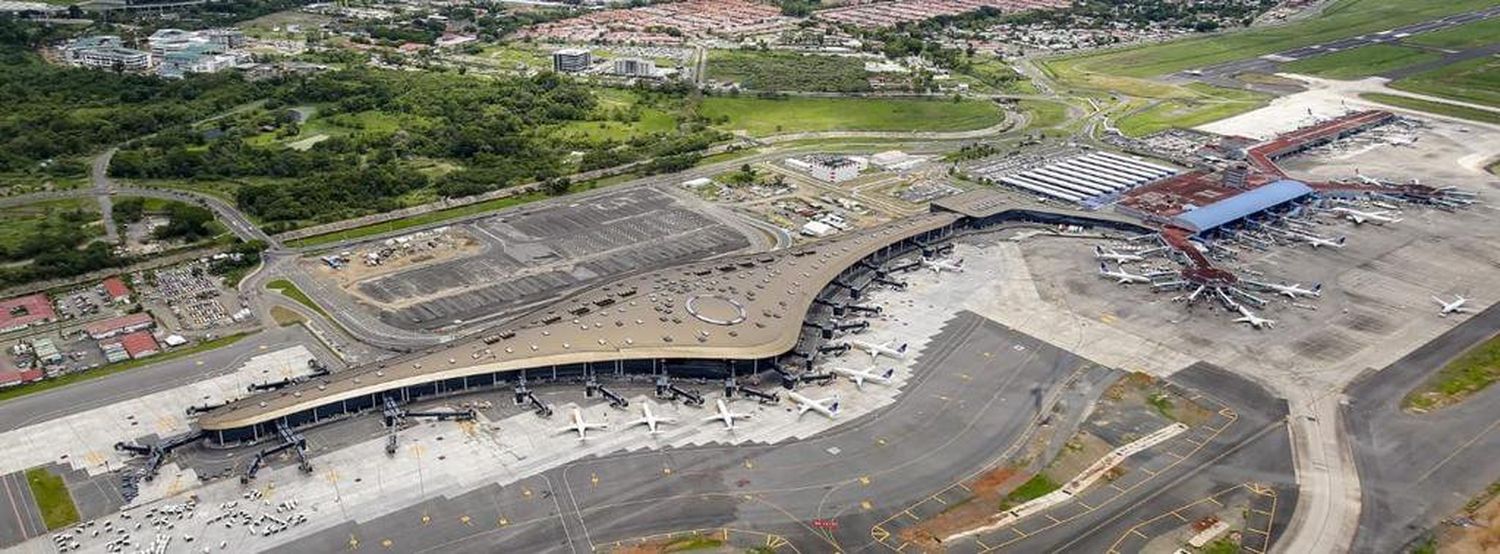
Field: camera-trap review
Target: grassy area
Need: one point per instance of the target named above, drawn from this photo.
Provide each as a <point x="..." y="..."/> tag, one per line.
<point x="1034" y="488"/>
<point x="290" y="290"/>
<point x="285" y="317"/>
<point x="512" y="55"/>
<point x="1462" y="37"/>
<point x="762" y="116"/>
<point x="1044" y="113"/>
<point x="1345" y="18"/>
<point x="788" y="71"/>
<point x="1476" y="81"/>
<point x="1459" y="379"/>
<point x="111" y="369"/>
<point x="1439" y="108"/>
<point x="1210" y="104"/>
<point x="687" y="544"/>
<point x="20" y="223"/>
<point x="1361" y="62"/>
<point x="1223" y="545"/>
<point x="52" y="498"/>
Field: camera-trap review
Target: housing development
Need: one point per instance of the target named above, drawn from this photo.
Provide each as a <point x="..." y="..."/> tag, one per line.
<point x="738" y="275"/>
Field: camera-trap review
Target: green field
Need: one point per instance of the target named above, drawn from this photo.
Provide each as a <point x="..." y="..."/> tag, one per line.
<point x="1476" y="81"/>
<point x="788" y="71"/>
<point x="1439" y="108"/>
<point x="1346" y="18"/>
<point x="1459" y="379"/>
<point x="1036" y="487"/>
<point x="1044" y="113"/>
<point x="1209" y="104"/>
<point x="1462" y="37"/>
<point x="52" y="498"/>
<point x="620" y="116"/>
<point x="1361" y="62"/>
<point x="290" y="290"/>
<point x="111" y="369"/>
<point x="762" y="117"/>
<point x="18" y="224"/>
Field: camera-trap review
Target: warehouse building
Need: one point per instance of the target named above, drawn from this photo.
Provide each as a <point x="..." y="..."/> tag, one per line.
<point x="1090" y="179"/>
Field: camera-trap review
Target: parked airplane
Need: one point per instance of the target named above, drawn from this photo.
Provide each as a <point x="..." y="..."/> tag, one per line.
<point x="1316" y="241"/>
<point x="1454" y="307"/>
<point x="859" y="377"/>
<point x="1121" y="276"/>
<point x="1102" y="253"/>
<point x="649" y="419"/>
<point x="1249" y="317"/>
<point x="939" y="266"/>
<point x="826" y="406"/>
<point x="1360" y="217"/>
<point x="722" y="413"/>
<point x="581" y="425"/>
<point x="1294" y="290"/>
<point x="877" y="350"/>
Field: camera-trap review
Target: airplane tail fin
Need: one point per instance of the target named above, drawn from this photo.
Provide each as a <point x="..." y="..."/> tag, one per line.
<point x="834" y="407"/>
<point x="1103" y="268"/>
<point x="1317" y="287"/>
<point x="1341" y="240"/>
<point x="902" y="348"/>
<point x="888" y="373"/>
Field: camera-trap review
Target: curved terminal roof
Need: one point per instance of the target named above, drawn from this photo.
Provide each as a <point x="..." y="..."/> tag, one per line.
<point x="1242" y="205"/>
<point x="741" y="307"/>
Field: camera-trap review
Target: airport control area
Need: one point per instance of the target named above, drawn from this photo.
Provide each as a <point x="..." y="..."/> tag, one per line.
<point x="895" y="276"/>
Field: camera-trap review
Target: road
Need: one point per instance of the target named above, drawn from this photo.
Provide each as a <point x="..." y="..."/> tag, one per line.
<point x="99" y="179"/>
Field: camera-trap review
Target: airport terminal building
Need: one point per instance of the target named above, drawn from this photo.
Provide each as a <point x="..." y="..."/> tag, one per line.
<point x="724" y="318"/>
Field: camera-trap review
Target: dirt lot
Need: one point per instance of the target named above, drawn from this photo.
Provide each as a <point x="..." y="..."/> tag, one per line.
<point x="989" y="490"/>
<point x="1484" y="537"/>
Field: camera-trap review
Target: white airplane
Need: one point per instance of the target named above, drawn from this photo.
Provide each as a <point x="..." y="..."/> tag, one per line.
<point x="1454" y="307"/>
<point x="1249" y="317"/>
<point x="859" y="377"/>
<point x="1360" y="217"/>
<point x="725" y="415"/>
<point x="649" y="419"/>
<point x="1295" y="290"/>
<point x="939" y="266"/>
<point x="877" y="350"/>
<point x="826" y="406"/>
<point x="581" y="425"/>
<point x="1316" y="241"/>
<point x="1121" y="276"/>
<point x="1102" y="253"/>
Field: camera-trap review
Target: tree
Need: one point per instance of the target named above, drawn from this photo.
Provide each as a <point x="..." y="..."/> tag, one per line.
<point x="557" y="186"/>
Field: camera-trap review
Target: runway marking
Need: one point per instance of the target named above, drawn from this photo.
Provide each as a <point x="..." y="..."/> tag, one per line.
<point x="965" y="487"/>
<point x="1054" y="520"/>
<point x="1257" y="531"/>
<point x="1211" y="499"/>
<point x="911" y="515"/>
<point x="1138" y="532"/>
<point x="1179" y="516"/>
<point x="1117" y="487"/>
<point x="879" y="533"/>
<point x="940" y="500"/>
<point x="981" y="544"/>
<point x="1261" y="512"/>
<point x="1018" y="532"/>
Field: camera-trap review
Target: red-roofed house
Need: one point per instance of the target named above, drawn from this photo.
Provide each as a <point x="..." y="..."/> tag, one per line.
<point x="117" y="291"/>
<point x="120" y="325"/>
<point x="24" y="311"/>
<point x="139" y="344"/>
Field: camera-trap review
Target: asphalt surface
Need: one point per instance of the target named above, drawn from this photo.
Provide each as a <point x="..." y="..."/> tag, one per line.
<point x="63" y="401"/>
<point x="1256" y="449"/>
<point x="975" y="390"/>
<point x="1416" y="469"/>
<point x="19" y="517"/>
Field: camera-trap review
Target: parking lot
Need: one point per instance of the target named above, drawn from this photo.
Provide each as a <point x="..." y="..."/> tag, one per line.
<point x="193" y="298"/>
<point x="534" y="254"/>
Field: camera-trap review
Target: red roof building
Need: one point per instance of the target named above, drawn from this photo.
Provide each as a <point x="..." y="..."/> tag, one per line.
<point x="24" y="311"/>
<point x="11" y="378"/>
<point x="116" y="290"/>
<point x="139" y="344"/>
<point x="123" y="324"/>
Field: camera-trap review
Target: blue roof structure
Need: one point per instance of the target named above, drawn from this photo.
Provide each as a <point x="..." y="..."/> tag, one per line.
<point x="1239" y="206"/>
